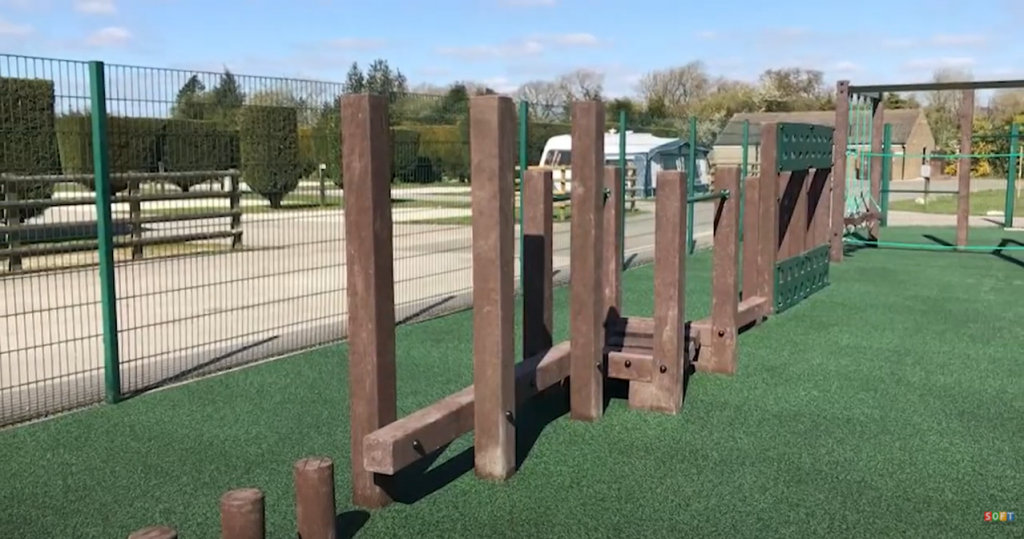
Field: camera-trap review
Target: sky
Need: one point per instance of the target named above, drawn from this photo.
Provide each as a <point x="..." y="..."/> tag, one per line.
<point x="504" y="43"/>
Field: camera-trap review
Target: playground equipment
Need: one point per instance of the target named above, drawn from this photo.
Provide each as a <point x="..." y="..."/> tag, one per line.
<point x="863" y="204"/>
<point x="784" y="235"/>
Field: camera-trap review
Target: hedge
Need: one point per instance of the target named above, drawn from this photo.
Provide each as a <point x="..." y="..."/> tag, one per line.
<point x="269" y="148"/>
<point x="193" y="145"/>
<point x="29" y="145"/>
<point x="446" y="149"/>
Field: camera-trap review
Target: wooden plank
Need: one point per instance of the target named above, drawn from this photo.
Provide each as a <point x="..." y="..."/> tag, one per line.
<point x="818" y="209"/>
<point x="769" y="236"/>
<point x="492" y="134"/>
<point x="391" y="448"/>
<point x="877" y="134"/>
<point x="537" y="282"/>
<point x="370" y="273"/>
<point x="612" y="256"/>
<point x="665" y="392"/>
<point x="586" y="322"/>
<point x="837" y="208"/>
<point x="963" y="199"/>
<point x="725" y="281"/>
<point x="749" y="311"/>
<point x="634" y="366"/>
<point x="751" y="235"/>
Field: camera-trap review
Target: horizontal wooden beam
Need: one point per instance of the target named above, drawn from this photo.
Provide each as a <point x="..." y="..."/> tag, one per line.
<point x="635" y="365"/>
<point x="751" y="311"/>
<point x="409" y="439"/>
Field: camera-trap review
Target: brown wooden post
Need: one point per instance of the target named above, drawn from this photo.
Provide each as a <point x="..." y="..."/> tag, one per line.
<point x="963" y="202"/>
<point x="371" y="288"/>
<point x="612" y="257"/>
<point x="538" y="250"/>
<point x="877" y="134"/>
<point x="725" y="283"/>
<point x="242" y="514"/>
<point x="768" y="238"/>
<point x="314" y="498"/>
<point x="586" y="322"/>
<point x="664" y="393"/>
<point x="155" y="532"/>
<point x="492" y="134"/>
<point x="838" y="198"/>
<point x="752" y="273"/>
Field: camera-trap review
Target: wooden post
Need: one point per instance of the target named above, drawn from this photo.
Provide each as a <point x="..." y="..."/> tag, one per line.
<point x="538" y="250"/>
<point x="664" y="393"/>
<point x="155" y="532"/>
<point x="242" y="514"/>
<point x="877" y="134"/>
<point x="752" y="273"/>
<point x="135" y="216"/>
<point x="840" y="139"/>
<point x="314" y="498"/>
<point x="492" y="134"/>
<point x="371" y="292"/>
<point x="768" y="238"/>
<point x="963" y="201"/>
<point x="586" y="320"/>
<point x="725" y="286"/>
<point x="612" y="257"/>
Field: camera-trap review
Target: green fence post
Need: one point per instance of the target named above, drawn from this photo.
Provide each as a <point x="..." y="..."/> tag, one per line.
<point x="883" y="205"/>
<point x="622" y="180"/>
<point x="1011" y="177"/>
<point x="524" y="120"/>
<point x="691" y="183"/>
<point x="104" y="231"/>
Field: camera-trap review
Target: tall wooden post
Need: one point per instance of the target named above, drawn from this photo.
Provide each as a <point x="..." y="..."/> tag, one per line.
<point x="877" y="134"/>
<point x="725" y="283"/>
<point x="371" y="294"/>
<point x="840" y="139"/>
<point x="492" y="134"/>
<point x="538" y="235"/>
<point x="768" y="239"/>
<point x="587" y="315"/>
<point x="612" y="257"/>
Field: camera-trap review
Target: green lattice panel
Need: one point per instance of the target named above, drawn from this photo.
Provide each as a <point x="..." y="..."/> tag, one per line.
<point x="798" y="277"/>
<point x="804" y="146"/>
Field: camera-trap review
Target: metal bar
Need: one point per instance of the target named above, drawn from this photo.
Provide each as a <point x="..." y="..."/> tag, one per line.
<point x="66" y="248"/>
<point x="722" y="194"/>
<point x="105" y="231"/>
<point x="938" y="86"/>
<point x="924" y="191"/>
<point x="691" y="181"/>
<point x="1011" y="178"/>
<point x="124" y="176"/>
<point x="883" y="204"/>
<point x="622" y="171"/>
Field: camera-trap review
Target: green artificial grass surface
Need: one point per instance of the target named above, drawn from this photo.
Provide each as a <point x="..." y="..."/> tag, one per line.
<point x="887" y="405"/>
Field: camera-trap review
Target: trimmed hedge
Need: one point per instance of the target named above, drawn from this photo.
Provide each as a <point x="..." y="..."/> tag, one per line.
<point x="192" y="145"/>
<point x="141" y="144"/>
<point x="269" y="148"/>
<point x="446" y="149"/>
<point x="406" y="165"/>
<point x="29" y="145"/>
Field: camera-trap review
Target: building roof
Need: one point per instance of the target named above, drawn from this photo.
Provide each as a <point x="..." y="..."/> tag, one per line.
<point x="902" y="121"/>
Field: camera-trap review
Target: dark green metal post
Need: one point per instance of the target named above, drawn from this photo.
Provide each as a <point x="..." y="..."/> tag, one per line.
<point x="524" y="121"/>
<point x="622" y="180"/>
<point x="104" y="231"/>
<point x="1011" y="177"/>
<point x="883" y="205"/>
<point x="691" y="182"/>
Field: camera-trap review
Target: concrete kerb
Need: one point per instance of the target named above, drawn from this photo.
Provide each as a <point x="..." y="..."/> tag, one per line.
<point x="72" y="393"/>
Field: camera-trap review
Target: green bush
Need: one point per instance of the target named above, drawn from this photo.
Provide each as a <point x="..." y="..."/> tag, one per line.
<point x="327" y="145"/>
<point x="269" y="148"/>
<point x="405" y="148"/>
<point x="134" y="145"/>
<point x="193" y="145"/>
<point x="28" y="146"/>
<point x="446" y="149"/>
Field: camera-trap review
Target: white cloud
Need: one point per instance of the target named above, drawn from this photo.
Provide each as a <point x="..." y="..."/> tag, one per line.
<point x="532" y="46"/>
<point x="931" y="64"/>
<point x="111" y="36"/>
<point x="959" y="40"/>
<point x="10" y="29"/>
<point x="95" y="7"/>
<point x="845" y="66"/>
<point x="898" y="43"/>
<point x="356" y="44"/>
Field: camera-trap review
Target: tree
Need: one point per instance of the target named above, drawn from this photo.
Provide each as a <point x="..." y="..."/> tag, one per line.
<point x="943" y="109"/>
<point x="546" y="99"/>
<point x="380" y="79"/>
<point x="191" y="102"/>
<point x="581" y="85"/>
<point x="677" y="89"/>
<point x="895" y="100"/>
<point x="226" y="98"/>
<point x="355" y="82"/>
<point x="792" y="89"/>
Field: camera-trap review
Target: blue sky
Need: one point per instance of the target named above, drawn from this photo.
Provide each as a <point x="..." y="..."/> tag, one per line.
<point x="507" y="42"/>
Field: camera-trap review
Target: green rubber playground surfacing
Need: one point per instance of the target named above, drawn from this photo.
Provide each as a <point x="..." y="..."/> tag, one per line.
<point x="887" y="405"/>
